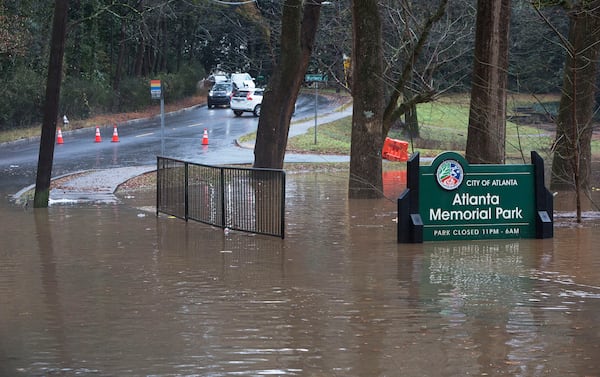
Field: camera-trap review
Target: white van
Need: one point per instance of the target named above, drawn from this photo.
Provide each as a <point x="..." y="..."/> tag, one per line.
<point x="242" y="80"/>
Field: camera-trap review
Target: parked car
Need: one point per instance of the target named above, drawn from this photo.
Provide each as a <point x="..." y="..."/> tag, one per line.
<point x="247" y="100"/>
<point x="242" y="81"/>
<point x="220" y="94"/>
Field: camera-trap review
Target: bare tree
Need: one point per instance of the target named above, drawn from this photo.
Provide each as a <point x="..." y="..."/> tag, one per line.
<point x="367" y="94"/>
<point x="48" y="137"/>
<point x="411" y="85"/>
<point x="487" y="117"/>
<point x="299" y="24"/>
<point x="571" y="164"/>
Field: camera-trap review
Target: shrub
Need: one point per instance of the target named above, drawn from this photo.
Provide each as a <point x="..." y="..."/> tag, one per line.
<point x="23" y="99"/>
<point x="81" y="98"/>
<point x="134" y="94"/>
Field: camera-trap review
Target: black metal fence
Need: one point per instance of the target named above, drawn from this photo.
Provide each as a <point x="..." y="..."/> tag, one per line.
<point x="245" y="199"/>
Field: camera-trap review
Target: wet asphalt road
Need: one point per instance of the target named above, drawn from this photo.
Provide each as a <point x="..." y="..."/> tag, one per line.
<point x="140" y="141"/>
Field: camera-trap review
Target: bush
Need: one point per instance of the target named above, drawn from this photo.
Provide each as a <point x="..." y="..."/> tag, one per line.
<point x="134" y="94"/>
<point x="23" y="99"/>
<point x="182" y="84"/>
<point x="82" y="98"/>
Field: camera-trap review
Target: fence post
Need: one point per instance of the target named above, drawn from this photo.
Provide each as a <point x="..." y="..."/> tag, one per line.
<point x="158" y="190"/>
<point x="222" y="197"/>
<point x="187" y="189"/>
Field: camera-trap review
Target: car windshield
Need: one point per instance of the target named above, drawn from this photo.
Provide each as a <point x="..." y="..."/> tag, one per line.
<point x="221" y="87"/>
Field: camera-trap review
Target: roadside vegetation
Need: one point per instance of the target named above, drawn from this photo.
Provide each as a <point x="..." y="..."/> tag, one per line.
<point x="443" y="127"/>
<point x="107" y="118"/>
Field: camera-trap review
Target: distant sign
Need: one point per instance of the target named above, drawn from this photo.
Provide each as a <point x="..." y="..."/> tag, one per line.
<point x="155" y="89"/>
<point x="315" y="77"/>
<point x="458" y="201"/>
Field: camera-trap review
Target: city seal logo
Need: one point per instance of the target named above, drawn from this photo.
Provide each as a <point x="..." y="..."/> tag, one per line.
<point x="449" y="174"/>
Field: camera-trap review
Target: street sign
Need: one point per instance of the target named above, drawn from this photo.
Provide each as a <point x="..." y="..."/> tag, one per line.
<point x="315" y="77"/>
<point x="155" y="89"/>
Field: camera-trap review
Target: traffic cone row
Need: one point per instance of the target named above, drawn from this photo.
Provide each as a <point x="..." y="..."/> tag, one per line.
<point x="115" y="135"/>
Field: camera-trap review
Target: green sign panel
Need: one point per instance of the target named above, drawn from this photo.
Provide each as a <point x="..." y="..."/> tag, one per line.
<point x="452" y="200"/>
<point x="459" y="201"/>
<point x="315" y="77"/>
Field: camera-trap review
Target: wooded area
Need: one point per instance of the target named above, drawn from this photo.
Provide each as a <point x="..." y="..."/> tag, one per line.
<point x="426" y="48"/>
<point x="113" y="48"/>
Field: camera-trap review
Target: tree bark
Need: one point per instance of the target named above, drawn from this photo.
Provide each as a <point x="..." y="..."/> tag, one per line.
<point x="367" y="92"/>
<point x="299" y="24"/>
<point x="487" y="117"/>
<point x="571" y="164"/>
<point x="48" y="136"/>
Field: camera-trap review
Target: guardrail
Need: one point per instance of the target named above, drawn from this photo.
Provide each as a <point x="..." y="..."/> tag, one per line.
<point x="245" y="199"/>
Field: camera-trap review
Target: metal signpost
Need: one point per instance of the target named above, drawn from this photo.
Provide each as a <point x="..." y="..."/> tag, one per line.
<point x="315" y="78"/>
<point x="156" y="93"/>
<point x="452" y="200"/>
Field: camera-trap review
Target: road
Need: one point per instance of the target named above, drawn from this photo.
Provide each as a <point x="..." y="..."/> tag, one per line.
<point x="140" y="142"/>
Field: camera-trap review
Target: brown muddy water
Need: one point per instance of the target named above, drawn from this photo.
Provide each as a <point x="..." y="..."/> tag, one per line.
<point x="113" y="290"/>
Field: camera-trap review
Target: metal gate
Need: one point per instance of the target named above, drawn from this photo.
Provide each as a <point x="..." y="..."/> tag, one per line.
<point x="245" y="199"/>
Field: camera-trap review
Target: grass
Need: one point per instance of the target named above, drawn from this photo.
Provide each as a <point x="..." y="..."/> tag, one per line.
<point x="21" y="133"/>
<point x="443" y="127"/>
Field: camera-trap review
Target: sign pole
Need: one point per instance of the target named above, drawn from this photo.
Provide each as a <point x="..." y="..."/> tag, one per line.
<point x="315" y="79"/>
<point x="157" y="93"/>
<point x="316" y="101"/>
<point x="162" y="124"/>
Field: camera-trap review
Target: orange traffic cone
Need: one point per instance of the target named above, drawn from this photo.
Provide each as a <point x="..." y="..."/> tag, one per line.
<point x="115" y="138"/>
<point x="205" y="137"/>
<point x="98" y="137"/>
<point x="59" y="138"/>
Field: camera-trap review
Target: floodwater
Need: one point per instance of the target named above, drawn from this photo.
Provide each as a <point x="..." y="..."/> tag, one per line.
<point x="114" y="290"/>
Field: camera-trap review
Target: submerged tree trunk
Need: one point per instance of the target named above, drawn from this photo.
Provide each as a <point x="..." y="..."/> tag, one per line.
<point x="487" y="115"/>
<point x="571" y="164"/>
<point x="299" y="24"/>
<point x="48" y="137"/>
<point x="572" y="161"/>
<point x="367" y="93"/>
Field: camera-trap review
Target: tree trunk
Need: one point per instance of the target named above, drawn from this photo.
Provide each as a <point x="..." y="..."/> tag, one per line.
<point x="411" y="120"/>
<point x="571" y="164"/>
<point x="487" y="117"/>
<point x="367" y="92"/>
<point x="299" y="26"/>
<point x="119" y="69"/>
<point x="48" y="137"/>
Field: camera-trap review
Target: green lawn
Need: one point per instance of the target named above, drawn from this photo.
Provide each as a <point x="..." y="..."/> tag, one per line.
<point x="443" y="126"/>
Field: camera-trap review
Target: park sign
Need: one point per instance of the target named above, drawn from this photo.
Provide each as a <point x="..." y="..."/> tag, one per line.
<point x="453" y="200"/>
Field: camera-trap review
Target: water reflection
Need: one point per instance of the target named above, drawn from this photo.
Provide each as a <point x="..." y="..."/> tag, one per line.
<point x="114" y="290"/>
